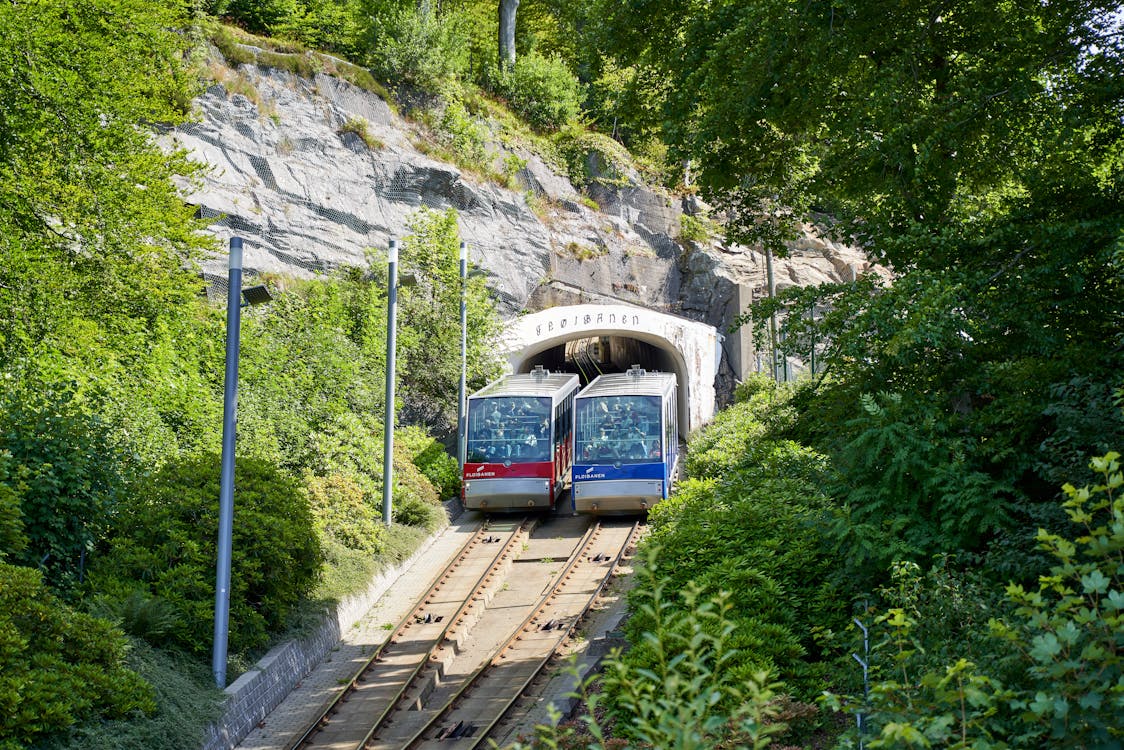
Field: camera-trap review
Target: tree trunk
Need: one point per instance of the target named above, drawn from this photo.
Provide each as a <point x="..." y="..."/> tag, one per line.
<point x="507" y="33"/>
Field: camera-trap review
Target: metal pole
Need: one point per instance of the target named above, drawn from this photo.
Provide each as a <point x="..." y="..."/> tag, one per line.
<point x="464" y="357"/>
<point x="772" y="316"/>
<point x="226" y="485"/>
<point x="388" y="425"/>
<point x="812" y="321"/>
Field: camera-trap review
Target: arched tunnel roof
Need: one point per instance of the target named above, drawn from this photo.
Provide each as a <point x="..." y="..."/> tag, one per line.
<point x="691" y="347"/>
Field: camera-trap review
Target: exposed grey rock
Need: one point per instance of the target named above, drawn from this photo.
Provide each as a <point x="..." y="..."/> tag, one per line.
<point x="308" y="196"/>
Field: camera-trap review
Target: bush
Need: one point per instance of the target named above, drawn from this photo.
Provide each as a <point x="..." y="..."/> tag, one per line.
<point x="344" y="513"/>
<point x="1055" y="675"/>
<point x="432" y="460"/>
<point x="421" y="49"/>
<point x="691" y="690"/>
<point x="415" y="501"/>
<point x="590" y="156"/>
<point x="70" y="481"/>
<point x="754" y="383"/>
<point x="542" y="90"/>
<point x="166" y="542"/>
<point x="466" y="138"/>
<point x="57" y="666"/>
<point x="12" y="539"/>
<point x="187" y="701"/>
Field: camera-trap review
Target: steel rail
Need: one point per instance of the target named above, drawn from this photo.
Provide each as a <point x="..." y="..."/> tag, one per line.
<point x="325" y="716"/>
<point x="473" y="679"/>
<point x="569" y="629"/>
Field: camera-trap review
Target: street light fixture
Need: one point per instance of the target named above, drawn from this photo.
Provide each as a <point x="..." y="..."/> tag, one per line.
<point x="234" y="296"/>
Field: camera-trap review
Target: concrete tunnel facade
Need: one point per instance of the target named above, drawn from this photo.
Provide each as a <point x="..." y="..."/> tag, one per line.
<point x="688" y="348"/>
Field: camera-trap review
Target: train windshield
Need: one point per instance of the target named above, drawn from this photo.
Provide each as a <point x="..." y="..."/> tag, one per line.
<point x="624" y="429"/>
<point x="508" y="428"/>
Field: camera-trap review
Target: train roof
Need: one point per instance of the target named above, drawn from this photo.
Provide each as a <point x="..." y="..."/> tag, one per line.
<point x="635" y="382"/>
<point x="539" y="383"/>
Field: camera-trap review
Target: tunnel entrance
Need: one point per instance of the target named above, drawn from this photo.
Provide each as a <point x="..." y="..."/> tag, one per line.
<point x="600" y="355"/>
<point x="590" y="340"/>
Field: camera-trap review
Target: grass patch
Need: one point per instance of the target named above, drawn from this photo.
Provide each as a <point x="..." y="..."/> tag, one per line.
<point x="582" y="251"/>
<point x="361" y="128"/>
<point x="234" y="82"/>
<point x="186" y="699"/>
<point x="237" y="46"/>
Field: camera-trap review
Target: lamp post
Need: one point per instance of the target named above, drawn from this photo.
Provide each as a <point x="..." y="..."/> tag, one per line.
<point x="388" y="425"/>
<point x="254" y="295"/>
<point x="226" y="480"/>
<point x="464" y="356"/>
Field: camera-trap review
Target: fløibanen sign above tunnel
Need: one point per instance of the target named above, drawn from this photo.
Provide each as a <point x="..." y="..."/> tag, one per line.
<point x="638" y="336"/>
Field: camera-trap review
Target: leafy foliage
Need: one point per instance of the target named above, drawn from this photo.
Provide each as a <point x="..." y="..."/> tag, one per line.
<point x="1047" y="672"/>
<point x="429" y="331"/>
<point x="416" y="46"/>
<point x="187" y="701"/>
<point x="68" y="488"/>
<point x="432" y="460"/>
<point x="746" y="523"/>
<point x="690" y="693"/>
<point x="689" y="696"/>
<point x="12" y="538"/>
<point x="1071" y="630"/>
<point x="541" y="89"/>
<point x="57" y="666"/>
<point x="166" y="545"/>
<point x="343" y="512"/>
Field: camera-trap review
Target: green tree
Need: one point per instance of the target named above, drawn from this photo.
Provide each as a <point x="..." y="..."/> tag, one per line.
<point x="974" y="149"/>
<point x="68" y="483"/>
<point x="96" y="243"/>
<point x="429" y="324"/>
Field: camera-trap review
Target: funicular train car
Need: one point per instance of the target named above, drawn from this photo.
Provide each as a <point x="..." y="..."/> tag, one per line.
<point x="519" y="441"/>
<point x="626" y="442"/>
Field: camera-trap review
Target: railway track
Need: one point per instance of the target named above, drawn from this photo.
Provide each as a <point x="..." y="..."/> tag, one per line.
<point x="467" y="651"/>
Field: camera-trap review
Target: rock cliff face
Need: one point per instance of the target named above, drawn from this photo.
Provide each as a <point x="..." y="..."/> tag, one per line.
<point x="292" y="173"/>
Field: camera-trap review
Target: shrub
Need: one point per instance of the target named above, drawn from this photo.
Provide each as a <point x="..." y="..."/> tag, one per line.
<point x="57" y="666"/>
<point x="166" y="545"/>
<point x="590" y="156"/>
<point x="71" y="479"/>
<point x="432" y="460"/>
<point x="466" y="138"/>
<point x="12" y="539"/>
<point x="361" y="128"/>
<point x="141" y="615"/>
<point x="419" y="48"/>
<point x="752" y="536"/>
<point x="754" y="383"/>
<point x="543" y="90"/>
<point x="187" y="701"/>
<point x="686" y="695"/>
<point x="694" y="228"/>
<point x="415" y="501"/>
<point x="344" y="513"/>
<point x="1058" y="679"/>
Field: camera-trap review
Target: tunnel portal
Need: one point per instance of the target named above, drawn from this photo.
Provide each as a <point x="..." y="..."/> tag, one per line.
<point x="594" y="339"/>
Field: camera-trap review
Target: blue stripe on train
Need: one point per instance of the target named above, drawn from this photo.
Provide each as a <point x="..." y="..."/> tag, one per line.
<point x="596" y="472"/>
